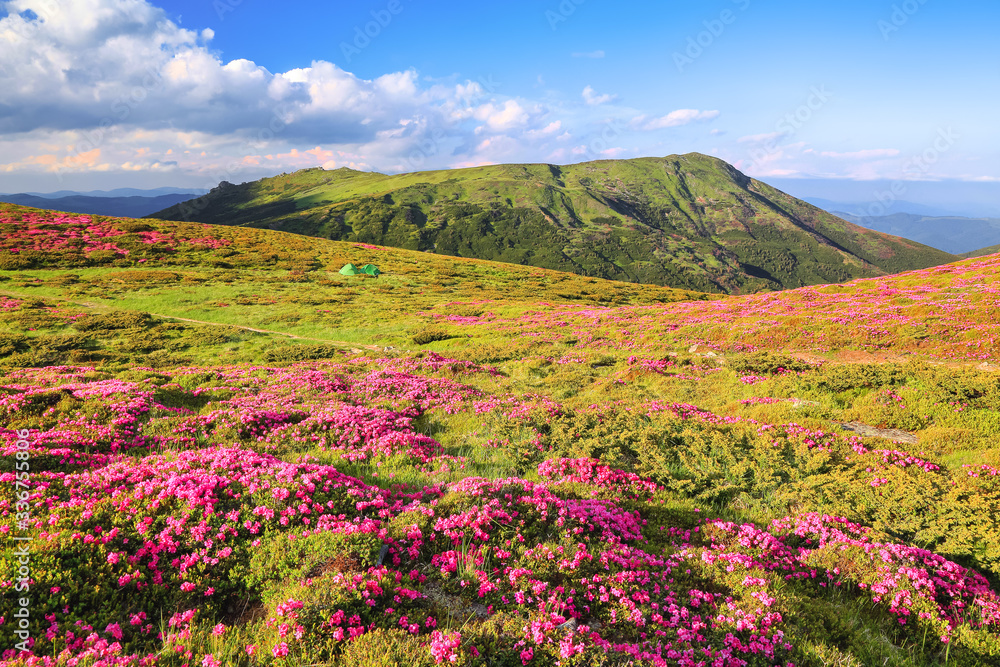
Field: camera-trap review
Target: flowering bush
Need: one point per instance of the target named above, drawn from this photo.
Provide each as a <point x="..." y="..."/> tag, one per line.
<point x="602" y="501"/>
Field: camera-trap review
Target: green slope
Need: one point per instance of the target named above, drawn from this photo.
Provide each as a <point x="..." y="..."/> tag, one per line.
<point x="982" y="252"/>
<point x="688" y="221"/>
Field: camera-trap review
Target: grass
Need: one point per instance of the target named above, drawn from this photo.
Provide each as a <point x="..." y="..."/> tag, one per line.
<point x="726" y="404"/>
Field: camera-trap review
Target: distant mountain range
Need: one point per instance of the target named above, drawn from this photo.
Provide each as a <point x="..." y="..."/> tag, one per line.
<point x="966" y="199"/>
<point x="688" y="221"/>
<point x="865" y="209"/>
<point x="124" y="206"/>
<point x="951" y="234"/>
<point x="119" y="192"/>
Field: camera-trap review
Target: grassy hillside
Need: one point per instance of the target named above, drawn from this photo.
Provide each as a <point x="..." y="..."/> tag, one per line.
<point x="982" y="252"/>
<point x="235" y="456"/>
<point x="687" y="221"/>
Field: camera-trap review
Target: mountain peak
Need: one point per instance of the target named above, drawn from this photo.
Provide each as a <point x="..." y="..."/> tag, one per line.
<point x="691" y="221"/>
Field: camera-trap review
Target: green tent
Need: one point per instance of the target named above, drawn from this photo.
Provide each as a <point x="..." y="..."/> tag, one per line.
<point x="351" y="270"/>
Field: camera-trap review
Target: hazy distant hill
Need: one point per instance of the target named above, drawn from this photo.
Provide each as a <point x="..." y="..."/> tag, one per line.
<point x="125" y="207"/>
<point x="689" y="221"/>
<point x="117" y="192"/>
<point x="861" y="209"/>
<point x="951" y="234"/>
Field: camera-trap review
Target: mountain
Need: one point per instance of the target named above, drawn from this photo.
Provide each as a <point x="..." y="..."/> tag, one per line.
<point x="117" y="192"/>
<point x="982" y="252"/>
<point x="864" y="208"/>
<point x="972" y="199"/>
<point x="688" y="221"/>
<point x="124" y="206"/>
<point x="952" y="234"/>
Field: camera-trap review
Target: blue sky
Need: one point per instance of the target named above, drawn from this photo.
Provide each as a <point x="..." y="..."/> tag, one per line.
<point x="130" y="93"/>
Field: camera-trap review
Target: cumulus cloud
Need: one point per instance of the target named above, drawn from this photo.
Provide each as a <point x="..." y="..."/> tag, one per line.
<point x="865" y="154"/>
<point x="86" y="82"/>
<point x="593" y="99"/>
<point x="765" y="156"/>
<point x="673" y="119"/>
<point x="767" y="138"/>
<point x="97" y="72"/>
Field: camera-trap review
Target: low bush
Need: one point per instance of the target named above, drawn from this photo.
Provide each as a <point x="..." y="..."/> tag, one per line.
<point x="767" y="363"/>
<point x="430" y="336"/>
<point x="114" y="321"/>
<point x="292" y="353"/>
<point x="387" y="648"/>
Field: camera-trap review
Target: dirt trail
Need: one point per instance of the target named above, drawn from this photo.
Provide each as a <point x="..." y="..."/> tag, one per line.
<point x="86" y="304"/>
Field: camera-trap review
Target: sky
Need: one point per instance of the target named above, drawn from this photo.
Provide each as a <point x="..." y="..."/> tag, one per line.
<point x="101" y="94"/>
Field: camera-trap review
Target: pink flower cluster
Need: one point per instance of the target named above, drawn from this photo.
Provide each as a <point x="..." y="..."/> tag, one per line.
<point x="598" y="476"/>
<point x="47" y="231"/>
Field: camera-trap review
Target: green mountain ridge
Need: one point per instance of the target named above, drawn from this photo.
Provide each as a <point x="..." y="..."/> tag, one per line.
<point x="982" y="252"/>
<point x="687" y="221"/>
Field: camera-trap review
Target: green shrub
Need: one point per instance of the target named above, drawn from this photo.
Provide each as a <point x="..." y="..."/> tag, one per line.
<point x="280" y="559"/>
<point x="11" y="343"/>
<point x="114" y="321"/>
<point x="32" y="319"/>
<point x="766" y="363"/>
<point x="292" y="353"/>
<point x="213" y="335"/>
<point x="860" y="376"/>
<point x="387" y="648"/>
<point x="430" y="336"/>
<point x="134" y="226"/>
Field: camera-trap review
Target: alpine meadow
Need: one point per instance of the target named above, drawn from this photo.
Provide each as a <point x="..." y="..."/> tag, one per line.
<point x="434" y="359"/>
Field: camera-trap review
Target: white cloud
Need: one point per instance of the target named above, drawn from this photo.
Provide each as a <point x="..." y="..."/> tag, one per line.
<point x="86" y="79"/>
<point x="544" y="132"/>
<point x="593" y="99"/>
<point x="673" y="119"/>
<point x="768" y="138"/>
<point x="863" y="155"/>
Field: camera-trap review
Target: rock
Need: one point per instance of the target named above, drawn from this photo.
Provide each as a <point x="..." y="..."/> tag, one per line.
<point x="889" y="434"/>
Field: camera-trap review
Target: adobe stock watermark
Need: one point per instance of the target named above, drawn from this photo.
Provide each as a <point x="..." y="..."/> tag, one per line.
<point x="600" y="143"/>
<point x="22" y="541"/>
<point x="791" y="123"/>
<point x="562" y="12"/>
<point x="915" y="166"/>
<point x="900" y="16"/>
<point x="33" y="19"/>
<point x="223" y="7"/>
<point x="364" y="35"/>
<point x="120" y="110"/>
<point x="431" y="145"/>
<point x="714" y="29"/>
